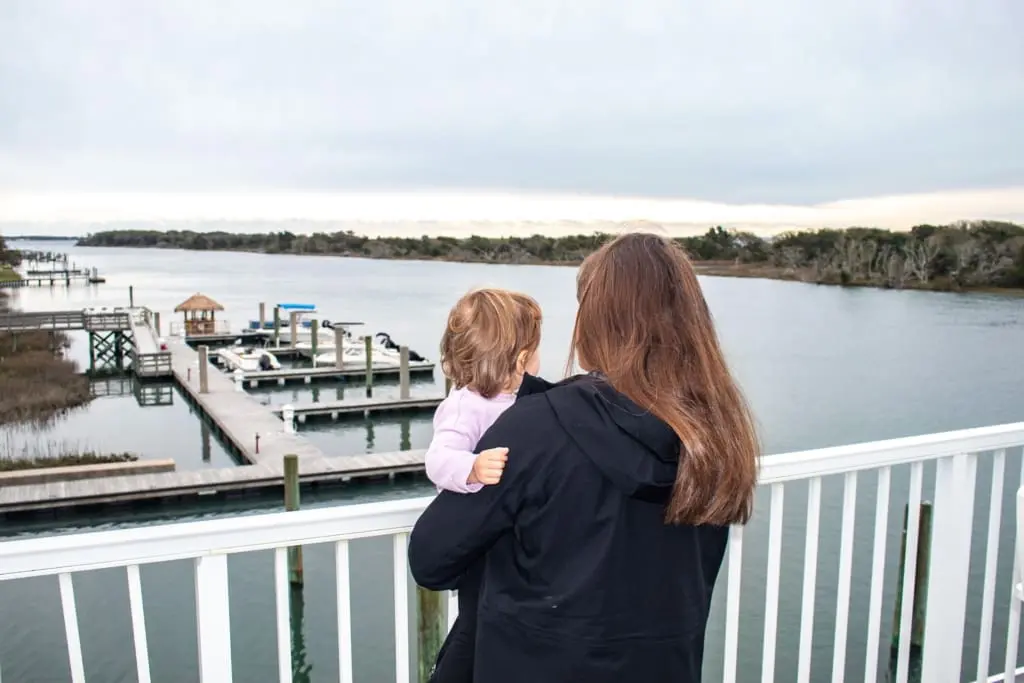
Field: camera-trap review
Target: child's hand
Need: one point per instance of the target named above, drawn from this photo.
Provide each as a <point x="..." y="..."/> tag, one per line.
<point x="488" y="466"/>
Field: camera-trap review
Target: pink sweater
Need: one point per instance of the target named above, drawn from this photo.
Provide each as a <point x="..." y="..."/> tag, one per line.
<point x="460" y="421"/>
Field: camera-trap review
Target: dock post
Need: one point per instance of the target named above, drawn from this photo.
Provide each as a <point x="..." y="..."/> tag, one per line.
<point x="339" y="347"/>
<point x="368" y="341"/>
<point x="430" y="609"/>
<point x="314" y="334"/>
<point x="924" y="544"/>
<point x="291" y="503"/>
<point x="288" y="415"/>
<point x="239" y="380"/>
<point x="131" y="296"/>
<point x="294" y="315"/>
<point x="156" y="322"/>
<point x="204" y="384"/>
<point x="277" y="326"/>
<point x="403" y="372"/>
<point x="263" y="315"/>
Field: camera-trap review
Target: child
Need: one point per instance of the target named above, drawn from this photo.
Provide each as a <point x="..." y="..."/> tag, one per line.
<point x="491" y="340"/>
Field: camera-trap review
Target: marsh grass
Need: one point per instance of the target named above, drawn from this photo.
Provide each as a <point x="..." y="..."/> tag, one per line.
<point x="37" y="382"/>
<point x="52" y="453"/>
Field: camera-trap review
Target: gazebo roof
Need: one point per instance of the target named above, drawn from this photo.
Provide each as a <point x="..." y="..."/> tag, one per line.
<point x="198" y="302"/>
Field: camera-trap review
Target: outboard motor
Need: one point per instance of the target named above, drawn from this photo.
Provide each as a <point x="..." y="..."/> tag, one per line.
<point x="385" y="339"/>
<point x="265" y="362"/>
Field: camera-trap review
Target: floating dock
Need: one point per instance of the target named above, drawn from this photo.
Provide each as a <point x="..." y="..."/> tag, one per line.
<point x="328" y="373"/>
<point x="361" y="407"/>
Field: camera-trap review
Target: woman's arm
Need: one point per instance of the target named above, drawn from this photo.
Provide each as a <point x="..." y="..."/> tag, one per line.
<point x="455" y="531"/>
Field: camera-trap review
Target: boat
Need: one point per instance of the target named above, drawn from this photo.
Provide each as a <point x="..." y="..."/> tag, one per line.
<point x="247" y="358"/>
<point x="385" y="352"/>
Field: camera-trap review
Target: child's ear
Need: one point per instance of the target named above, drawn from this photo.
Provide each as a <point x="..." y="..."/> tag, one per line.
<point x="521" y="362"/>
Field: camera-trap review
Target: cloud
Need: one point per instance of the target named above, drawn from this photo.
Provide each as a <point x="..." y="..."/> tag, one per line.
<point x="784" y="101"/>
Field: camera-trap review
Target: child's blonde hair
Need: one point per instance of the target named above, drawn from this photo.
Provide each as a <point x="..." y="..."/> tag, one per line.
<point x="487" y="330"/>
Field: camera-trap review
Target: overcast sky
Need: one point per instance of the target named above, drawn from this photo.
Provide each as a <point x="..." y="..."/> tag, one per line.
<point x="768" y="101"/>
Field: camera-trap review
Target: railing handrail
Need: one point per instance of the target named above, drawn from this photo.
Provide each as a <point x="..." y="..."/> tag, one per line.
<point x="823" y="462"/>
<point x="182" y="540"/>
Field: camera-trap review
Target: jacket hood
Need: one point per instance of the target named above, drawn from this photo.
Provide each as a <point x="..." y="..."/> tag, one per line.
<point x="634" y="450"/>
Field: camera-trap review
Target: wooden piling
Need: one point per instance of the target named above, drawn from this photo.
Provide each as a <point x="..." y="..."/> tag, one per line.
<point x="314" y="334"/>
<point x="368" y="341"/>
<point x="430" y="608"/>
<point x="131" y="296"/>
<point x="204" y="367"/>
<point x="294" y="322"/>
<point x="339" y="347"/>
<point x="263" y="315"/>
<point x="291" y="503"/>
<point x="156" y="323"/>
<point x="277" y="326"/>
<point x="924" y="542"/>
<point x="403" y="371"/>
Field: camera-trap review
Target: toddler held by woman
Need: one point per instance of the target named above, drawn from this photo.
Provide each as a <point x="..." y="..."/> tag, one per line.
<point x="490" y="343"/>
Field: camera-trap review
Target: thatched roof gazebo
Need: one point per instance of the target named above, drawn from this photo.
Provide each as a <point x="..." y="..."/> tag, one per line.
<point x="200" y="314"/>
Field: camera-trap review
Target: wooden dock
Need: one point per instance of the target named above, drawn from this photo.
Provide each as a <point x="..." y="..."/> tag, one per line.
<point x="266" y="477"/>
<point x="329" y="372"/>
<point x="238" y="416"/>
<point x="362" y="407"/>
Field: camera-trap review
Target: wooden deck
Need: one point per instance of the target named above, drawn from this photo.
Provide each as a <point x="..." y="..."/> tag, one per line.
<point x="363" y="407"/>
<point x="326" y="373"/>
<point x="252" y="478"/>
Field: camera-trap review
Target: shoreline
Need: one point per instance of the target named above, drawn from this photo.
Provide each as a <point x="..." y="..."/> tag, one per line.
<point x="706" y="268"/>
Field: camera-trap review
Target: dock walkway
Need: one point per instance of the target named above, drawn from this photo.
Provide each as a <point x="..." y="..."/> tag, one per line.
<point x="239" y="416"/>
<point x="148" y="360"/>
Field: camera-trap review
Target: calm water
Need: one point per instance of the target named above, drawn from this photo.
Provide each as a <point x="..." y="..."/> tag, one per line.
<point x="822" y="366"/>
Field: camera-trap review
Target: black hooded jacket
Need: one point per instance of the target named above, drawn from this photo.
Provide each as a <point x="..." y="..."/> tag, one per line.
<point x="582" y="579"/>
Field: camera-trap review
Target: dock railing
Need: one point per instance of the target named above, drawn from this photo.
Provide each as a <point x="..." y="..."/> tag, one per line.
<point x="952" y="466"/>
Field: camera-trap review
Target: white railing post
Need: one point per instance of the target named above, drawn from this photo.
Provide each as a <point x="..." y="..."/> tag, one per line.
<point x="213" y="624"/>
<point x="239" y="379"/>
<point x="950" y="560"/>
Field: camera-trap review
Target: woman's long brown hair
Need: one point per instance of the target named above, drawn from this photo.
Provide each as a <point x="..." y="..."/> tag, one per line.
<point x="643" y="323"/>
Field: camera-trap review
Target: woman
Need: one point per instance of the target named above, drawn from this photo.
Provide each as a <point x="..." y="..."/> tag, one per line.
<point x="600" y="547"/>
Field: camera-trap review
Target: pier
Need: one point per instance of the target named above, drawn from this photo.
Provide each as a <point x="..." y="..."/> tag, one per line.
<point x="52" y="278"/>
<point x="115" y="336"/>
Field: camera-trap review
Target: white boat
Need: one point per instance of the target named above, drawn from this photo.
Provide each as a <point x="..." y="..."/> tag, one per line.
<point x="249" y="359"/>
<point x="354" y="355"/>
<point x="385" y="352"/>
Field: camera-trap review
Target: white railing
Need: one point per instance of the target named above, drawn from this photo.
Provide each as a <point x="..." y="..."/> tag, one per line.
<point x="954" y="456"/>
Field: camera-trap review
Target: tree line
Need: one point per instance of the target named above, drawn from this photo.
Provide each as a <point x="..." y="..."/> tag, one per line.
<point x="961" y="255"/>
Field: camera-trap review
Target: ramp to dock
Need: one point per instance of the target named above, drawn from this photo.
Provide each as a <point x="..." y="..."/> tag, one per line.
<point x="147" y="358"/>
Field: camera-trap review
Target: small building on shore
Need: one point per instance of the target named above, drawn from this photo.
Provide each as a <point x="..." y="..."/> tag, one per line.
<point x="200" y="313"/>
